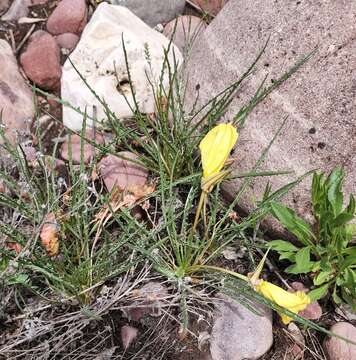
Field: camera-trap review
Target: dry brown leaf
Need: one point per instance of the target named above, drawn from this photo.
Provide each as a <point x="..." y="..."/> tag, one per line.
<point x="3" y="187"/>
<point x="49" y="234"/>
<point x="14" y="246"/>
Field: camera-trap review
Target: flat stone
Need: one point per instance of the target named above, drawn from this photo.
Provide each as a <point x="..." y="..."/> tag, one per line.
<point x="100" y="58"/>
<point x="122" y="171"/>
<point x="153" y="12"/>
<point x="17" y="10"/>
<point x="16" y="98"/>
<point x="69" y="16"/>
<point x="74" y="144"/>
<point x="185" y="32"/>
<point x="319" y="100"/>
<point x="337" y="349"/>
<point x="238" y="333"/>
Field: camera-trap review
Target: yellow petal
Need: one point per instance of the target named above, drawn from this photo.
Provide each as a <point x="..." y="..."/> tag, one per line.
<point x="216" y="147"/>
<point x="294" y="302"/>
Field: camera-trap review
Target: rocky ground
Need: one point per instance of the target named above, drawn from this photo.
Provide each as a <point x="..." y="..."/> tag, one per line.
<point x="39" y="41"/>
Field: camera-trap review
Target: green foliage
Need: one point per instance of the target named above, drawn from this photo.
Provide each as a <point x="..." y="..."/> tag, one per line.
<point x="325" y="251"/>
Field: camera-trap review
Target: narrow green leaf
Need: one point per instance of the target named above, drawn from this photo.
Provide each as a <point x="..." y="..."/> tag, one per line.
<point x="292" y="222"/>
<point x="282" y="246"/>
<point x="322" y="277"/>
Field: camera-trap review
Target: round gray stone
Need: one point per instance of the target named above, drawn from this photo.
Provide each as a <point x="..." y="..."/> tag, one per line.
<point x="153" y="12"/>
<point x="238" y="333"/>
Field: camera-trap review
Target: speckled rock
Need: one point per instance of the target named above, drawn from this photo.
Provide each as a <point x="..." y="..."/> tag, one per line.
<point x="319" y="100"/>
<point x="41" y="60"/>
<point x="238" y="333"/>
<point x="185" y="32"/>
<point x="16" y="99"/>
<point x="100" y="58"/>
<point x="337" y="349"/>
<point x="153" y="12"/>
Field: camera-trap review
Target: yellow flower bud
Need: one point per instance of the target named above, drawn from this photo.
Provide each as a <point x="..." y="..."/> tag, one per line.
<point x="294" y="302"/>
<point x="216" y="147"/>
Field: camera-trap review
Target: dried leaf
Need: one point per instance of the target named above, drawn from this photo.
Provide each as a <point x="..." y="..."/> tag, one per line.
<point x="49" y="234"/>
<point x="3" y="187"/>
<point x="14" y="246"/>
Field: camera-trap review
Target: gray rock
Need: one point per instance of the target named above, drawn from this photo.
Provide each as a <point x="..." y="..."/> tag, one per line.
<point x="319" y="100"/>
<point x="17" y="10"/>
<point x="153" y="12"/>
<point x="16" y="99"/>
<point x="238" y="333"/>
<point x="337" y="349"/>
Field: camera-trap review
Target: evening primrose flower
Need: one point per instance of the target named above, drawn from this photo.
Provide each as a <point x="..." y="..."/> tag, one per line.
<point x="294" y="302"/>
<point x="216" y="147"/>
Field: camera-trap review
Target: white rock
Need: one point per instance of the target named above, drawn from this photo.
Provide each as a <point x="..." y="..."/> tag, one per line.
<point x="99" y="54"/>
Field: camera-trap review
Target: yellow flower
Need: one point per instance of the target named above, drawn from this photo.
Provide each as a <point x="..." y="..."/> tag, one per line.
<point x="216" y="147"/>
<point x="294" y="302"/>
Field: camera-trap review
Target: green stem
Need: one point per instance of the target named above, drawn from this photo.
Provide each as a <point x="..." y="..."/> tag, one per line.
<point x="202" y="199"/>
<point x="216" y="268"/>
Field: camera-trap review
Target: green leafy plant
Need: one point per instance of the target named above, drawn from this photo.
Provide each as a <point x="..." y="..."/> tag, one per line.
<point x="326" y="249"/>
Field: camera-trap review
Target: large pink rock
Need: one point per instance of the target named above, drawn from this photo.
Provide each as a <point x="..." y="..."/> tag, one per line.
<point x="185" y="32"/>
<point x="16" y="99"/>
<point x="319" y="100"/>
<point x="41" y="60"/>
<point x="69" y="16"/>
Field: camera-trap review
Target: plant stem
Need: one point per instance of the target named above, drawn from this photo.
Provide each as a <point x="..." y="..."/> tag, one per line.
<point x="216" y="268"/>
<point x="202" y="200"/>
